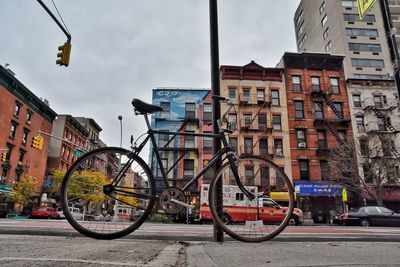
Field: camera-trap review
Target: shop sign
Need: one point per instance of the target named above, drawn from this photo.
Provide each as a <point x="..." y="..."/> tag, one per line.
<point x="317" y="189"/>
<point x="392" y="193"/>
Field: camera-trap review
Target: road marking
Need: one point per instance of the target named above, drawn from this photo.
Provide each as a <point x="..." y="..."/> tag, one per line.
<point x="107" y="263"/>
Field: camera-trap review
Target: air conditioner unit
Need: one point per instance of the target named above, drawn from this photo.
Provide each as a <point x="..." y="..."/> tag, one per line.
<point x="302" y="145"/>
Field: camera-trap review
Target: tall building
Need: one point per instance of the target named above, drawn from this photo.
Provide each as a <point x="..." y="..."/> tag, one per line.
<point x="319" y="123"/>
<point x="335" y="27"/>
<point x="22" y="116"/>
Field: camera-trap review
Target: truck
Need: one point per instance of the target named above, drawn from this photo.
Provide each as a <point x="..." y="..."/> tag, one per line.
<point x="236" y="207"/>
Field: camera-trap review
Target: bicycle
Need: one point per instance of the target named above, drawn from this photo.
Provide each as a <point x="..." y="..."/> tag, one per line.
<point x="118" y="183"/>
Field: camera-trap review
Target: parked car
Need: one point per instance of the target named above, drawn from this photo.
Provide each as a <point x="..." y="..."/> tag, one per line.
<point x="16" y="216"/>
<point x="76" y="213"/>
<point x="45" y="212"/>
<point x="371" y="215"/>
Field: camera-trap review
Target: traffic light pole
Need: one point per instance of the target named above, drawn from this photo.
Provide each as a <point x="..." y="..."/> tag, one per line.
<point x="55" y="19"/>
<point x="215" y="87"/>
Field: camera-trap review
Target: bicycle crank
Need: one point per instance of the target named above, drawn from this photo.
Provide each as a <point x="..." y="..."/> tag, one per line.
<point x="173" y="200"/>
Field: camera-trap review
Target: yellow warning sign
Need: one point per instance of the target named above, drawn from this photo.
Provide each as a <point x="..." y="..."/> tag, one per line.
<point x="344" y="195"/>
<point x="364" y="6"/>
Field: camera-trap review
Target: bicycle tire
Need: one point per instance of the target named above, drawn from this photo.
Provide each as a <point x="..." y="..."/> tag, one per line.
<point x="108" y="213"/>
<point x="251" y="221"/>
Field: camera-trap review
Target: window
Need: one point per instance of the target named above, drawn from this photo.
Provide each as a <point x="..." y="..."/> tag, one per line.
<point x="13" y="130"/>
<point x="355" y="17"/>
<point x="166" y="106"/>
<point x="326" y="33"/>
<point x="300" y="17"/>
<point x="163" y="139"/>
<point x="357" y="101"/>
<point x="262" y="121"/>
<point x="339" y="109"/>
<point x="368" y="63"/>
<point x="322" y="142"/>
<point x="378" y="101"/>
<point x="190" y="140"/>
<point x="209" y="174"/>
<point x="349" y="3"/>
<point x="299" y="109"/>
<point x="369" y="76"/>
<point x="322" y="8"/>
<point x="296" y="83"/>
<point x="361" y="32"/>
<point x="232" y="94"/>
<point x="247" y="120"/>
<point x="248" y="146"/>
<point x="278" y="145"/>
<point x="364" y="147"/>
<point x="263" y="147"/>
<point x="165" y="167"/>
<point x="276" y="121"/>
<point x="302" y="41"/>
<point x="365" y="47"/>
<point x="275" y="97"/>
<point x="319" y="110"/>
<point x="24" y="137"/>
<point x="381" y="124"/>
<point x="190" y="110"/>
<point x="315" y="84"/>
<point x="249" y="175"/>
<point x="328" y="47"/>
<point x="304" y="171"/>
<point x="188" y="168"/>
<point x="324" y="20"/>
<point x="233" y="143"/>
<point x="208" y="143"/>
<point x="265" y="178"/>
<point x="260" y="96"/>
<point x="246" y="95"/>
<point x="334" y="85"/>
<point x="300" y="30"/>
<point x="232" y="118"/>
<point x="207" y="115"/>
<point x="360" y="123"/>
<point x="17" y="109"/>
<point x="301" y="139"/>
<point x="28" y="117"/>
<point x="325" y="170"/>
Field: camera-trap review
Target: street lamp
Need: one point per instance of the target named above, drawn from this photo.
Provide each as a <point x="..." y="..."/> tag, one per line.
<point x="119" y="168"/>
<point x="120" y="140"/>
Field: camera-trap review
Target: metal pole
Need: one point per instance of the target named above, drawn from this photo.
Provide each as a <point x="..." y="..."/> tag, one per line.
<point x="215" y="87"/>
<point x="55" y="19"/>
<point x="119" y="168"/>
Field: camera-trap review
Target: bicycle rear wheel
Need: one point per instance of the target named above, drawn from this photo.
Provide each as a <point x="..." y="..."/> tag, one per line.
<point x="251" y="220"/>
<point x="113" y="188"/>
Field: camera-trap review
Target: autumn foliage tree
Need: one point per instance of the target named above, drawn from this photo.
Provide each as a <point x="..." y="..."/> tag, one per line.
<point x="23" y="191"/>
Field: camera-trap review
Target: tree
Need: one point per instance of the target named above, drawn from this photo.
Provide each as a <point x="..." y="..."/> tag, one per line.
<point x="23" y="191"/>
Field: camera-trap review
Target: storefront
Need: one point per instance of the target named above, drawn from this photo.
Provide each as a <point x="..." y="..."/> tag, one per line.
<point x="391" y="198"/>
<point x="320" y="201"/>
<point x="5" y="204"/>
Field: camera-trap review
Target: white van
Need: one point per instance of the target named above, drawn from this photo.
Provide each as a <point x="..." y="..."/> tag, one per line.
<point x="76" y="213"/>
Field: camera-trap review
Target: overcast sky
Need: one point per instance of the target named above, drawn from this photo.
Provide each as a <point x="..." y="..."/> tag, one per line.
<point x="124" y="49"/>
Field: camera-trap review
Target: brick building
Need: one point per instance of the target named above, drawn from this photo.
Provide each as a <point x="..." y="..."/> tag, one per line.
<point x="22" y="116"/>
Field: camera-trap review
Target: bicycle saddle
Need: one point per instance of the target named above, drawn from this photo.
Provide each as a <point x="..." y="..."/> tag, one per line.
<point x="145" y="108"/>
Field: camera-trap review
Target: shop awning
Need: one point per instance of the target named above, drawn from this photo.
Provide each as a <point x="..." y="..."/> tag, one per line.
<point x="6" y="190"/>
<point x="316" y="189"/>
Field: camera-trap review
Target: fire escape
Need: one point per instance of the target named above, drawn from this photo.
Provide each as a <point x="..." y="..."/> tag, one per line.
<point x="382" y="110"/>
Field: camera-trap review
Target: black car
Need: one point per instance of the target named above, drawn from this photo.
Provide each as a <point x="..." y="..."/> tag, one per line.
<point x="371" y="215"/>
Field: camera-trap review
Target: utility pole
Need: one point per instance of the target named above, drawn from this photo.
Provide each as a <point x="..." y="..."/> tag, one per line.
<point x="215" y="87"/>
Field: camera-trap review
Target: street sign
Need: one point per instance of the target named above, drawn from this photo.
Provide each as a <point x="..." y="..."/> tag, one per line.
<point x="364" y="6"/>
<point x="77" y="153"/>
<point x="344" y="195"/>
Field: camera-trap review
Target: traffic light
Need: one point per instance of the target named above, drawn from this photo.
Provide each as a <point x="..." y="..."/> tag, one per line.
<point x="37" y="142"/>
<point x="63" y="55"/>
<point x="4" y="156"/>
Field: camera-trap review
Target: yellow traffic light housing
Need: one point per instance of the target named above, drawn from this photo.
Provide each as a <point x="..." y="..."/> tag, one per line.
<point x="4" y="156"/>
<point x="37" y="142"/>
<point x="64" y="54"/>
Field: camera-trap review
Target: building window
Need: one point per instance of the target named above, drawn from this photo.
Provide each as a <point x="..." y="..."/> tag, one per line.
<point x="208" y="143"/>
<point x="163" y="139"/>
<point x="349" y="3"/>
<point x="322" y="142"/>
<point x="382" y="124"/>
<point x="166" y="106"/>
<point x="357" y="101"/>
<point x="17" y="109"/>
<point x="25" y="137"/>
<point x="326" y="33"/>
<point x="21" y="155"/>
<point x="328" y="47"/>
<point x="296" y="83"/>
<point x="248" y="146"/>
<point x="302" y="41"/>
<point x="322" y="8"/>
<point x="13" y="129"/>
<point x="165" y="167"/>
<point x="361" y="32"/>
<point x="260" y="96"/>
<point x="324" y="20"/>
<point x="276" y="122"/>
<point x="355" y="17"/>
<point x="360" y="123"/>
<point x="28" y="117"/>
<point x="334" y="85"/>
<point x="233" y="143"/>
<point x="246" y="95"/>
<point x="232" y="94"/>
<point x="319" y="110"/>
<point x="190" y="110"/>
<point x="378" y="101"/>
<point x="367" y="63"/>
<point x="304" y="170"/>
<point x="263" y="147"/>
<point x="262" y="122"/>
<point x="315" y="84"/>
<point x="188" y="168"/>
<point x="207" y="116"/>
<point x="190" y="140"/>
<point x="325" y="170"/>
<point x="299" y="109"/>
<point x="209" y="174"/>
<point x="339" y="109"/>
<point x="301" y="138"/>
<point x="232" y="118"/>
<point x="364" y="147"/>
<point x="365" y="47"/>
<point x="300" y="30"/>
<point x="278" y="146"/>
<point x="300" y="17"/>
<point x="249" y="175"/>
<point x="275" y="97"/>
<point x="247" y="120"/>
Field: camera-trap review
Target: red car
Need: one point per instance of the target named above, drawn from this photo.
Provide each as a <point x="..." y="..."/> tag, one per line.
<point x="45" y="212"/>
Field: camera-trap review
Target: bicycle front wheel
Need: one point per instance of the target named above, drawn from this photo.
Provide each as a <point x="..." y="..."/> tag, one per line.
<point x="255" y="220"/>
<point x="113" y="188"/>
